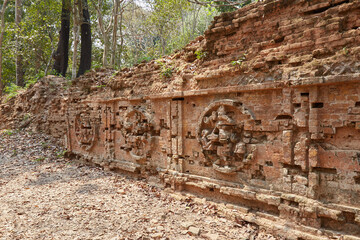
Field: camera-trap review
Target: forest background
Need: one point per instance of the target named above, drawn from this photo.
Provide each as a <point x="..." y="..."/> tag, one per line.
<point x="123" y="33"/>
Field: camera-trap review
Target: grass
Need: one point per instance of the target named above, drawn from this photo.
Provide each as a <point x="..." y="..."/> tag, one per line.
<point x="61" y="154"/>
<point x="39" y="159"/>
<point x="9" y="132"/>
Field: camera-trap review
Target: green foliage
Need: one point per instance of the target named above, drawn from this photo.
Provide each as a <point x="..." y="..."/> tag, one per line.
<point x="26" y="116"/>
<point x="39" y="159"/>
<point x="147" y="30"/>
<point x="146" y="58"/>
<point x="167" y="72"/>
<point x="239" y="62"/>
<point x="38" y="37"/>
<point x="14" y="153"/>
<point x="31" y="80"/>
<point x="12" y="90"/>
<point x="68" y="83"/>
<point x="221" y="8"/>
<point x="166" y="69"/>
<point x="96" y="64"/>
<point x="8" y="132"/>
<point x="61" y="154"/>
<point x="160" y="28"/>
<point x="200" y="54"/>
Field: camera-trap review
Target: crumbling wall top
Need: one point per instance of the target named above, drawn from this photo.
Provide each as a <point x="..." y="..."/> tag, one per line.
<point x="294" y="42"/>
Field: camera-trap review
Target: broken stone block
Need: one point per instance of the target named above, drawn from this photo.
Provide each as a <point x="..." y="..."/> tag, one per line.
<point x="194" y="231"/>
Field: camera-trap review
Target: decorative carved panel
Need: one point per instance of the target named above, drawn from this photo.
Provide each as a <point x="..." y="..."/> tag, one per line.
<point x="86" y="130"/>
<point x="136" y="128"/>
<point x="221" y="136"/>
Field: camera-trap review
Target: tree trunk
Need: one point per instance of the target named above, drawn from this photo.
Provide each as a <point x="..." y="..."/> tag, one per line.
<point x="121" y="37"/>
<point x="52" y="53"/>
<point x="104" y="32"/>
<point x="195" y="21"/>
<point x="61" y="55"/>
<point x="19" y="70"/>
<point x="106" y="51"/>
<point x="76" y="32"/>
<point x="2" y="14"/>
<point x="85" y="57"/>
<point x="114" y="37"/>
<point x="162" y="40"/>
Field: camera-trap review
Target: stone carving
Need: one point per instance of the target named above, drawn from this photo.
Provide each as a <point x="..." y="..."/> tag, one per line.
<point x="85" y="130"/>
<point x="298" y="163"/>
<point x="221" y="136"/>
<point x="338" y="68"/>
<point x="136" y="129"/>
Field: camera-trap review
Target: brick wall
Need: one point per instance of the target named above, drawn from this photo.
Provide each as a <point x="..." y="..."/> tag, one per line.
<point x="262" y="112"/>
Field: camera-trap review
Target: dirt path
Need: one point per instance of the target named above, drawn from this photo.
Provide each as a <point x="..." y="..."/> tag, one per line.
<point x="44" y="196"/>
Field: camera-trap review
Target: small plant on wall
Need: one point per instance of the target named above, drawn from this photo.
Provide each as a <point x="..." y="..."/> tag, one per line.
<point x="200" y="54"/>
<point x="166" y="70"/>
<point x="239" y="62"/>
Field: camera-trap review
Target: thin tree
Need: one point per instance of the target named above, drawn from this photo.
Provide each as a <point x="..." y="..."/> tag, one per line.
<point x="76" y="33"/>
<point x="19" y="67"/>
<point x="104" y="30"/>
<point x="109" y="33"/>
<point x="2" y="17"/>
<point x="121" y="35"/>
<point x="85" y="57"/>
<point x="61" y="55"/>
<point x="114" y="34"/>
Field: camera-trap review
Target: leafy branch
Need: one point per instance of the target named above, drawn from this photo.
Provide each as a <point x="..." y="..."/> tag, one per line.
<point x="223" y="3"/>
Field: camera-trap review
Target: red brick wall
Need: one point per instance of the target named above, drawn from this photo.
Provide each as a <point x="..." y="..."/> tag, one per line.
<point x="266" y="120"/>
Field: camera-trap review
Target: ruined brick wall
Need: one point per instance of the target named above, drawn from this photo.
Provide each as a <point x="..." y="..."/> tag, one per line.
<point x="272" y="41"/>
<point x="41" y="108"/>
<point x="285" y="153"/>
<point x="263" y="112"/>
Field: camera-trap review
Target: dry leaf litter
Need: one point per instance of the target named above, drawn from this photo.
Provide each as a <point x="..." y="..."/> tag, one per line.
<point x="43" y="195"/>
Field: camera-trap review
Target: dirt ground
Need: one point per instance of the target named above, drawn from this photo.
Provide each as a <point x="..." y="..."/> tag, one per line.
<point x="45" y="196"/>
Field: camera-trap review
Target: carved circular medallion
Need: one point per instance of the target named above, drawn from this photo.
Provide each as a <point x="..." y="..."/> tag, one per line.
<point x="136" y="129"/>
<point x="220" y="134"/>
<point x="85" y="130"/>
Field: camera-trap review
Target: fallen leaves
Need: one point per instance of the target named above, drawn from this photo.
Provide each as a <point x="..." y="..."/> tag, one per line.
<point x="57" y="199"/>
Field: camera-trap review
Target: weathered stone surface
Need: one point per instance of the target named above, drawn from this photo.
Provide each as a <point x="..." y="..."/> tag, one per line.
<point x="268" y="121"/>
<point x="194" y="231"/>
